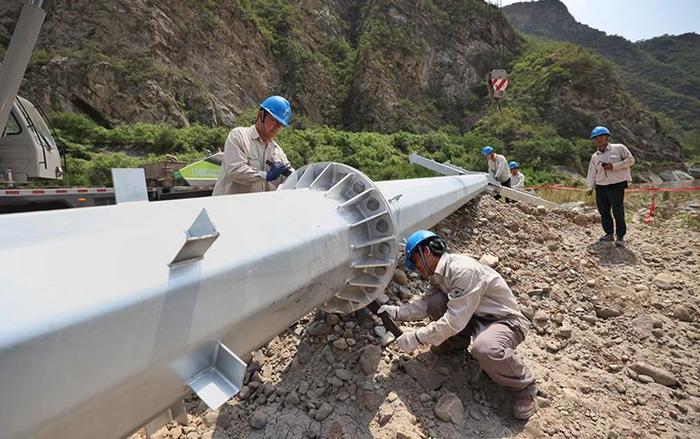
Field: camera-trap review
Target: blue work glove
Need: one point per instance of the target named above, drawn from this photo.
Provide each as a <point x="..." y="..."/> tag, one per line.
<point x="275" y="171"/>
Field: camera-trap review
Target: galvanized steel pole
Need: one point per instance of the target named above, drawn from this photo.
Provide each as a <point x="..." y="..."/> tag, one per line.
<point x="108" y="314"/>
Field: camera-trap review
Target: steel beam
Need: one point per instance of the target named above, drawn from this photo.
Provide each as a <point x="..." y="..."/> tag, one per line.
<point x="108" y="314"/>
<point x="495" y="187"/>
<point x="18" y="55"/>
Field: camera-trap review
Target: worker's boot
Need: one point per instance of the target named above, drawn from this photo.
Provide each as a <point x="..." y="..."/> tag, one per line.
<point x="524" y="408"/>
<point x="606" y="238"/>
<point x="455" y="343"/>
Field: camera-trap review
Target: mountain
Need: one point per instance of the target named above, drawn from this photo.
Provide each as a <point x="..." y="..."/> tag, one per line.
<point x="357" y="65"/>
<point x="374" y="65"/>
<point x="559" y="92"/>
<point x="662" y="73"/>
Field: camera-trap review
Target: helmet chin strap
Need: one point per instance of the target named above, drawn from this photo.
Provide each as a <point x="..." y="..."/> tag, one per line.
<point x="424" y="261"/>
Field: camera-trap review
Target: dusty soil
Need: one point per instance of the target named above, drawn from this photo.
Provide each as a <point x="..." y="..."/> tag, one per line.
<point x="614" y="344"/>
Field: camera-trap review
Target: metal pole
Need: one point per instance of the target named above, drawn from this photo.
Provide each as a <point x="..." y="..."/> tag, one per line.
<point x="108" y="314"/>
<point x="18" y="55"/>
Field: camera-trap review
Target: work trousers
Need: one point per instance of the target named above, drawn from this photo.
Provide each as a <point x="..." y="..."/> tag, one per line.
<point x="612" y="196"/>
<point x="504" y="184"/>
<point x="493" y="346"/>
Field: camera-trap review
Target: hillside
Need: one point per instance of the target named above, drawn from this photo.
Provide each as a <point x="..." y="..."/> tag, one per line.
<point x="558" y="92"/>
<point x="662" y="73"/>
<point x="379" y="66"/>
<point x="369" y="82"/>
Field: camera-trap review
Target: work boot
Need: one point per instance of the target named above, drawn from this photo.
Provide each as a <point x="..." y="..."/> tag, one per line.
<point x="620" y="242"/>
<point x="452" y="344"/>
<point x="606" y="238"/>
<point x="524" y="408"/>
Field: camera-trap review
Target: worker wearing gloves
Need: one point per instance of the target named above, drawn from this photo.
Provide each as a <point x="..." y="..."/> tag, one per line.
<point x="498" y="167"/>
<point x="253" y="162"/>
<point x="467" y="299"/>
<point x="608" y="174"/>
<point x="517" y="179"/>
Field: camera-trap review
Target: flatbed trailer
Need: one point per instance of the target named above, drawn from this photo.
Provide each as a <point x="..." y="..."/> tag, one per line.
<point x="13" y="200"/>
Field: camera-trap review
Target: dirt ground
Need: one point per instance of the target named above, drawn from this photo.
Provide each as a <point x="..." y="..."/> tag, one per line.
<point x="614" y="343"/>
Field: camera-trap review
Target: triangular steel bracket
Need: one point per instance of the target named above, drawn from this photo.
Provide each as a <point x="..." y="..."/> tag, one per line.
<point x="221" y="379"/>
<point x="200" y="236"/>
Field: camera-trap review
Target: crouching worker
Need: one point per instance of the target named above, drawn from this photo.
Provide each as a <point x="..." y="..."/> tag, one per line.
<point x="517" y="179"/>
<point x="467" y="301"/>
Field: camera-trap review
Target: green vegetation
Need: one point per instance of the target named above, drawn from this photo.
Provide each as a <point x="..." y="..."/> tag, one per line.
<point x="527" y="127"/>
<point x="535" y="125"/>
<point x="523" y="130"/>
<point x="663" y="72"/>
<point x="131" y="72"/>
<point x="94" y="150"/>
<point x="307" y="58"/>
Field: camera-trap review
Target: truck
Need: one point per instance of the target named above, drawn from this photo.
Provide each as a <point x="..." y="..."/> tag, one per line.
<point x="32" y="162"/>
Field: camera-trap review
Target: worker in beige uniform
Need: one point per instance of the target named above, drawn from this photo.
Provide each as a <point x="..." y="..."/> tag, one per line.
<point x="466" y="300"/>
<point x="253" y="161"/>
<point x="517" y="179"/>
<point x="609" y="174"/>
<point x="498" y="167"/>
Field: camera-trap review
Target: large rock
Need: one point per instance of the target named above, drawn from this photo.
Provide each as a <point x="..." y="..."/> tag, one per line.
<point x="340" y="344"/>
<point x="449" y="408"/>
<point x="664" y="281"/>
<point x="259" y="419"/>
<point x="400" y="277"/>
<point x="694" y="171"/>
<point x="369" y="359"/>
<point x="675" y="175"/>
<point x="642" y="326"/>
<point x="430" y="379"/>
<point x="343" y="374"/>
<point x="318" y="328"/>
<point x="323" y="411"/>
<point x="659" y="375"/>
<point x="489" y="260"/>
<point x="607" y="311"/>
<point x="682" y="313"/>
<point x="292" y="399"/>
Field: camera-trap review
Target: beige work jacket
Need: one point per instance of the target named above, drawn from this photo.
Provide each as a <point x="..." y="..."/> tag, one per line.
<point x="621" y="159"/>
<point x="244" y="169"/>
<point x="472" y="288"/>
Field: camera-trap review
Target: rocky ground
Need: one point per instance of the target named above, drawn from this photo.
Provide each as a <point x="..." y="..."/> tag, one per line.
<point x="614" y="343"/>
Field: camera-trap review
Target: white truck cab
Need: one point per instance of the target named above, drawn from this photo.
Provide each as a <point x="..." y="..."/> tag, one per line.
<point x="27" y="148"/>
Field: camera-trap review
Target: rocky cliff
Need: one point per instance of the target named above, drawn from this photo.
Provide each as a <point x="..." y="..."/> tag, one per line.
<point x="661" y="72"/>
<point x="376" y="65"/>
<point x="360" y="65"/>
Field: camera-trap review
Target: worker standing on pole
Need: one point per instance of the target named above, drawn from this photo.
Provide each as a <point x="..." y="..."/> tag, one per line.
<point x="467" y="300"/>
<point x="609" y="174"/>
<point x="517" y="179"/>
<point x="253" y="161"/>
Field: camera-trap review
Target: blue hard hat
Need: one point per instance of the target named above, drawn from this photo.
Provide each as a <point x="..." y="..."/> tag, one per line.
<point x="279" y="108"/>
<point x="513" y="165"/>
<point x="412" y="243"/>
<point x="599" y="131"/>
<point x="486" y="150"/>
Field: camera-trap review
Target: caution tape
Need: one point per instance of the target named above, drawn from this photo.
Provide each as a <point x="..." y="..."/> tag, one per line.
<point x="664" y="189"/>
<point x="637" y="189"/>
<point x="652" y="190"/>
<point x="652" y="208"/>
